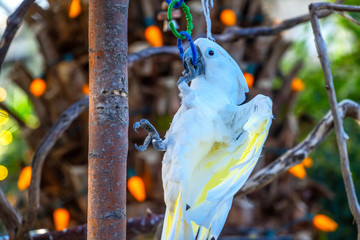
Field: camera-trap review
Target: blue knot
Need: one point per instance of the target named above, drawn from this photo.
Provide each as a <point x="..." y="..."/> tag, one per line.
<point x="192" y="46"/>
<point x="177" y="5"/>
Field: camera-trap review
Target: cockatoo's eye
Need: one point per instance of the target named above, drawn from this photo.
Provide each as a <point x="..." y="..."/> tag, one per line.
<point x="210" y="52"/>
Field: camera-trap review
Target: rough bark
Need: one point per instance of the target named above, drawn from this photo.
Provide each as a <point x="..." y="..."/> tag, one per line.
<point x="108" y="119"/>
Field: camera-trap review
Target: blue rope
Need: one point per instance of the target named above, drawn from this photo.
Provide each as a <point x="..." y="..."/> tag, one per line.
<point x="180" y="47"/>
<point x="177" y="5"/>
<point x="192" y="46"/>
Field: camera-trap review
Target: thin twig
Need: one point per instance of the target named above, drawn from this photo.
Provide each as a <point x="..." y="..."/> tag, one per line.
<point x="8" y="215"/>
<point x="235" y="33"/>
<point x="317" y="7"/>
<point x="348" y="17"/>
<point x="13" y="24"/>
<point x="341" y="136"/>
<point x="295" y="155"/>
<point x="143" y="224"/>
<point x="151" y="51"/>
<point x="55" y="132"/>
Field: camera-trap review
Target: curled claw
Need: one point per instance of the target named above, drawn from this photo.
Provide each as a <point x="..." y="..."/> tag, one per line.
<point x="152" y="136"/>
<point x="140" y="148"/>
<point x="136" y="126"/>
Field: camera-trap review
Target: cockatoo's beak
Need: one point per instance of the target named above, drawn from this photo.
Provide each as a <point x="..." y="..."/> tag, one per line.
<point x="192" y="71"/>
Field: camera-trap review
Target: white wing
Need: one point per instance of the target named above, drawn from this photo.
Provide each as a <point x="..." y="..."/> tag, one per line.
<point x="208" y="162"/>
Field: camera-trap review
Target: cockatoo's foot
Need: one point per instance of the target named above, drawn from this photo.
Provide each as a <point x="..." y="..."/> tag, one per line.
<point x="153" y="136"/>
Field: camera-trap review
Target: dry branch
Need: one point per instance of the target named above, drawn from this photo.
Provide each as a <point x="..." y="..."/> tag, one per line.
<point x="151" y="51"/>
<point x="75" y="233"/>
<point x="234" y="33"/>
<point x="341" y="136"/>
<point x="143" y="224"/>
<point x="13" y="24"/>
<point x="134" y="226"/>
<point x="8" y="215"/>
<point x="55" y="132"/>
<point x="348" y="17"/>
<point x="295" y="155"/>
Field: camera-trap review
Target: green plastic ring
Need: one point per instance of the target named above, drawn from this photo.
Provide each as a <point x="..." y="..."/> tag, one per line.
<point x="189" y="26"/>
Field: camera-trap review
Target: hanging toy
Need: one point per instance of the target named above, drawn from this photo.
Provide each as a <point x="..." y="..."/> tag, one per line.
<point x="183" y="34"/>
<point x="207" y="4"/>
<point x="213" y="143"/>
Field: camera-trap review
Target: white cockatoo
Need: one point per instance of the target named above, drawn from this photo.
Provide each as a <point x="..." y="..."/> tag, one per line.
<point x="212" y="146"/>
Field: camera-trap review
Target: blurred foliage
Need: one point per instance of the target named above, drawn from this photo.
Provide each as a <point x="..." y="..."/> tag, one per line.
<point x="13" y="156"/>
<point x="313" y="104"/>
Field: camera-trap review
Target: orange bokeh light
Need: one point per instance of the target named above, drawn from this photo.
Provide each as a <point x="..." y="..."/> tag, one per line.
<point x="154" y="36"/>
<point x="308" y="162"/>
<point x="75" y="9"/>
<point x="85" y="89"/>
<point x="61" y="218"/>
<point x="136" y="187"/>
<point x="297" y="85"/>
<point x="38" y="87"/>
<point x="298" y="171"/>
<point x="324" y="223"/>
<point x="24" y="178"/>
<point x="228" y="17"/>
<point x="249" y="79"/>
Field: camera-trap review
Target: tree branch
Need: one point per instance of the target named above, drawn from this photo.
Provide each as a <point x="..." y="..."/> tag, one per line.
<point x="341" y="136"/>
<point x="55" y="132"/>
<point x="143" y="224"/>
<point x="13" y="115"/>
<point x="8" y="215"/>
<point x="13" y="24"/>
<point x="295" y="155"/>
<point x="151" y="51"/>
<point x="348" y="17"/>
<point x="236" y="32"/>
<point x="134" y="226"/>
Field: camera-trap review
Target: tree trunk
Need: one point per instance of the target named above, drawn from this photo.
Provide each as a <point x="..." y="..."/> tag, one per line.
<point x="108" y="119"/>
